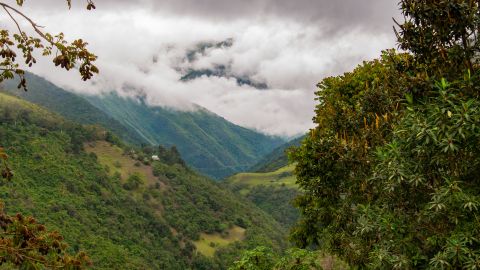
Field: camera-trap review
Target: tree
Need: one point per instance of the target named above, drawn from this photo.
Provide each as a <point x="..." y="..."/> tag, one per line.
<point x="24" y="243"/>
<point x="67" y="54"/>
<point x="443" y="35"/>
<point x="134" y="181"/>
<point x="262" y="258"/>
<point x="391" y="171"/>
<point x="6" y="172"/>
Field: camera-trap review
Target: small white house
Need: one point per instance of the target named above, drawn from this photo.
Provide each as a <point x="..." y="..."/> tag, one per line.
<point x="155" y="158"/>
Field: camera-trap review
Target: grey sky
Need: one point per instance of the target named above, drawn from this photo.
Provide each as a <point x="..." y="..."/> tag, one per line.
<point x="290" y="45"/>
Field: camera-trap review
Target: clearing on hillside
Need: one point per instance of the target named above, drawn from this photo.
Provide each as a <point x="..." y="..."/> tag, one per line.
<point x="113" y="157"/>
<point x="208" y="243"/>
<point x="279" y="178"/>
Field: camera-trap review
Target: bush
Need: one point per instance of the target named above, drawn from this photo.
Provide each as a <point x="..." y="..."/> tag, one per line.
<point x="134" y="182"/>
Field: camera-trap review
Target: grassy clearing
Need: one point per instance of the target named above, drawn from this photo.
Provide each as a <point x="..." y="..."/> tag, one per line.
<point x="281" y="177"/>
<point x="208" y="243"/>
<point x="112" y="156"/>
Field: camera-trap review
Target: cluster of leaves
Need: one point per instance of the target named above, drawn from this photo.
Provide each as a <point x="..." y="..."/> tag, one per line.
<point x="391" y="171"/>
<point x="442" y="34"/>
<point x="6" y="172"/>
<point x="262" y="258"/>
<point x="67" y="55"/>
<point x="356" y="114"/>
<point x="26" y="244"/>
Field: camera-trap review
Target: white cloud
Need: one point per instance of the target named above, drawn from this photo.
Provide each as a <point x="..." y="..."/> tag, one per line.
<point x="289" y="54"/>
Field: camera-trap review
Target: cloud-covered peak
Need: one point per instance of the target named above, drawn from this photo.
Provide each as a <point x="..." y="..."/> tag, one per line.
<point x="253" y="62"/>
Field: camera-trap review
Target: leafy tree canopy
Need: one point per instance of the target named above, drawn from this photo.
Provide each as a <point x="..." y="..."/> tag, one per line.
<point x="67" y="55"/>
<point x="24" y="243"/>
<point x="391" y="171"/>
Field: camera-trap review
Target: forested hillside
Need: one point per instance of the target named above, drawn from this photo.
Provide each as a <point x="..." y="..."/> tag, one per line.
<point x="271" y="184"/>
<point x="68" y="105"/>
<point x="206" y="141"/>
<point x="124" y="213"/>
<point x="390" y="174"/>
<point x="273" y="192"/>
<point x="277" y="159"/>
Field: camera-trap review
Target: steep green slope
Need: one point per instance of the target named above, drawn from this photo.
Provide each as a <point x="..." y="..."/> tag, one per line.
<point x="206" y="141"/>
<point x="68" y="105"/>
<point x="277" y="158"/>
<point x="273" y="192"/>
<point x="124" y="214"/>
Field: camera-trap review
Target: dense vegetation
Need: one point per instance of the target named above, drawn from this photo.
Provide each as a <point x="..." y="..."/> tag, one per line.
<point x="391" y="171"/>
<point x="22" y="46"/>
<point x="207" y="142"/>
<point x="69" y="105"/>
<point x="150" y="218"/>
<point x="277" y="158"/>
<point x="273" y="192"/>
<point x="390" y="174"/>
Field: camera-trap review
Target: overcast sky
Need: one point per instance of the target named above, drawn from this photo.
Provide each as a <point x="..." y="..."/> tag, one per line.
<point x="289" y="45"/>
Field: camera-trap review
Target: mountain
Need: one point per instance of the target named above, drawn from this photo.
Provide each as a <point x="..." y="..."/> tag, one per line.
<point x="124" y="211"/>
<point x="271" y="185"/>
<point x="273" y="192"/>
<point x="206" y="141"/>
<point x="203" y="49"/>
<point x="277" y="158"/>
<point x="69" y="105"/>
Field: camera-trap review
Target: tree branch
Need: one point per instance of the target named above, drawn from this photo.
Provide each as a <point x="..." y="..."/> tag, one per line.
<point x="32" y="23"/>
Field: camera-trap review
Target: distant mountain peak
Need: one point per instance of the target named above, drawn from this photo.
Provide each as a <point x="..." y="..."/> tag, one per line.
<point x="223" y="70"/>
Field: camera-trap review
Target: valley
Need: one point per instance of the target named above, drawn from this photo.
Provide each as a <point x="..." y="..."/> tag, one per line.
<point x="208" y="143"/>
<point x="226" y="135"/>
<point x="123" y="210"/>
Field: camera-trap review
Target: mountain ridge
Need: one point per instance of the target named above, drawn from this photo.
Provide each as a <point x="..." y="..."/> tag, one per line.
<point x="125" y="214"/>
<point x="208" y="142"/>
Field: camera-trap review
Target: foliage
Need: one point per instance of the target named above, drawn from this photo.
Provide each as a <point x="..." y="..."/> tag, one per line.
<point x="277" y="158"/>
<point x="70" y="106"/>
<point x="25" y="244"/>
<point x="67" y="55"/>
<point x="277" y="202"/>
<point x="262" y="258"/>
<point x="355" y="114"/>
<point x="272" y="192"/>
<point x="391" y="171"/>
<point x="170" y="156"/>
<point x="442" y="35"/>
<point x="150" y="227"/>
<point x="207" y="142"/>
<point x="133" y="182"/>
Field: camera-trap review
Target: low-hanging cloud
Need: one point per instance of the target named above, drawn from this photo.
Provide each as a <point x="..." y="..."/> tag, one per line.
<point x="288" y="45"/>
